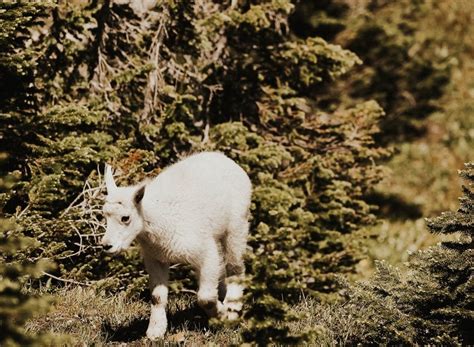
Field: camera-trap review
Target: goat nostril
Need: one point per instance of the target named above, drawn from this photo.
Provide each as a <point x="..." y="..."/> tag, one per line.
<point x="107" y="247"/>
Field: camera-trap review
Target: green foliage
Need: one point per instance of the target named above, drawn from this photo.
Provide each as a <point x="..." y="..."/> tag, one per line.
<point x="433" y="298"/>
<point x="58" y="139"/>
<point x="401" y="68"/>
<point x="17" y="57"/>
<point x="16" y="306"/>
<point x="364" y="318"/>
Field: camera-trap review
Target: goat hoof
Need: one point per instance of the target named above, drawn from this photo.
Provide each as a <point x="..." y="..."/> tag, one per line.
<point x="230" y="310"/>
<point x="232" y="304"/>
<point x="156" y="332"/>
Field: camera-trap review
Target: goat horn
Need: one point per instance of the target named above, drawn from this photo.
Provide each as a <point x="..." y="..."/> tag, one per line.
<point x="109" y="178"/>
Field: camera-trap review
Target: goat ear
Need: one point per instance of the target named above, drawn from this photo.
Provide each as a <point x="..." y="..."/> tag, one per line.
<point x="139" y="195"/>
<point x="109" y="178"/>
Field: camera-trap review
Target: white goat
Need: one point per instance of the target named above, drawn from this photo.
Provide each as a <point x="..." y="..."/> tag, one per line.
<point x="196" y="212"/>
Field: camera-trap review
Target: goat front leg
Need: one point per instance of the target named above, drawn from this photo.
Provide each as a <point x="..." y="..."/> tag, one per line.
<point x="210" y="271"/>
<point x="159" y="297"/>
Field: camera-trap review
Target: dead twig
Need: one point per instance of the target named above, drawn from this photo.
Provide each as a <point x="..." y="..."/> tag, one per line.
<point x="66" y="280"/>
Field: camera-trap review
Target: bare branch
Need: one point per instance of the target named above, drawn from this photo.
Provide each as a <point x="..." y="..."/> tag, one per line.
<point x="66" y="280"/>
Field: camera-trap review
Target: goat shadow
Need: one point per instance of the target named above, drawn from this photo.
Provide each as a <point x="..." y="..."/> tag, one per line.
<point x="191" y="318"/>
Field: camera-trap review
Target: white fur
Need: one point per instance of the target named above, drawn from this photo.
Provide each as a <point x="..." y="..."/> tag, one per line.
<point x="194" y="212"/>
<point x="140" y="7"/>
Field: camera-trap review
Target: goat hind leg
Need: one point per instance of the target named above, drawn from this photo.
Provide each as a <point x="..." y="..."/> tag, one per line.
<point x="211" y="270"/>
<point x="235" y="245"/>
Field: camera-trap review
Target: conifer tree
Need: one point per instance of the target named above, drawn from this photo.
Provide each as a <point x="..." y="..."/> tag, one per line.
<point x="445" y="303"/>
<point x="433" y="298"/>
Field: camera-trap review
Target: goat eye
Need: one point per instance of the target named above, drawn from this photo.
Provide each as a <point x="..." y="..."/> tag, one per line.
<point x="125" y="219"/>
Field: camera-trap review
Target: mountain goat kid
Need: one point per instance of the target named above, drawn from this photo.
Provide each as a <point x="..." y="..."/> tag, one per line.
<point x="196" y="212"/>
